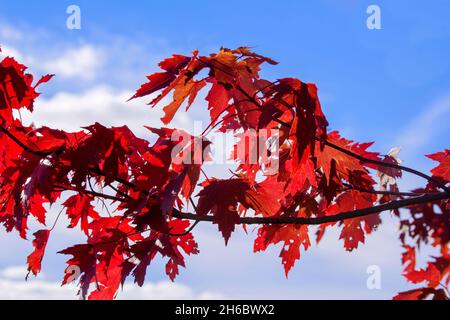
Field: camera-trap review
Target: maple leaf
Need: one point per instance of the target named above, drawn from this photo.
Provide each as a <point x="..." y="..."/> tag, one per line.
<point x="35" y="258"/>
<point x="422" y="294"/>
<point x="432" y="275"/>
<point x="174" y="63"/>
<point x="221" y="197"/>
<point x="184" y="240"/>
<point x="108" y="275"/>
<point x="167" y="246"/>
<point x="109" y="285"/>
<point x="16" y="90"/>
<point x="160" y="80"/>
<point x="171" y="246"/>
<point x="353" y="230"/>
<point x="79" y="208"/>
<point x="179" y="78"/>
<point x="292" y="237"/>
<point x="172" y="269"/>
<point x="265" y="197"/>
<point x="182" y="90"/>
<point x="145" y="251"/>
<point x="218" y="98"/>
<point x="84" y="259"/>
<point x="309" y="122"/>
<point x="344" y="164"/>
<point x="388" y="176"/>
<point x="443" y="169"/>
<point x="39" y="181"/>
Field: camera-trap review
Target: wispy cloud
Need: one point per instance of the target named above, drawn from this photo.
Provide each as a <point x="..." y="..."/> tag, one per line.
<point x="81" y="62"/>
<point x="9" y="33"/>
<point x="103" y="104"/>
<point x="9" y="51"/>
<point x="14" y="273"/>
<point x="13" y="286"/>
<point x="425" y="126"/>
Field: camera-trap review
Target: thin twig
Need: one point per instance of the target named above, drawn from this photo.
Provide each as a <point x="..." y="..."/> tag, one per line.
<point x="57" y="218"/>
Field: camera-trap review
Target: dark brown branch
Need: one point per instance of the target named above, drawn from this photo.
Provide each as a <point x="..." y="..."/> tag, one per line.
<point x="282" y="220"/>
<point x="191" y="227"/>
<point x="387" y="164"/>
<point x="24" y="146"/>
<point x="186" y="232"/>
<point x="118" y="191"/>
<point x="120" y="180"/>
<point x="431" y="197"/>
<point x="92" y="193"/>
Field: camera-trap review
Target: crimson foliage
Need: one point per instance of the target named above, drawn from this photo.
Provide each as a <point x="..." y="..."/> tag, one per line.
<point x="323" y="178"/>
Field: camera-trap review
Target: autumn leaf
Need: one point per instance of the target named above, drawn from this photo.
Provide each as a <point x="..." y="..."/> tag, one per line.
<point x="422" y="294"/>
<point x="34" y="260"/>
<point x="84" y="261"/>
<point x="292" y="237"/>
<point x="218" y="98"/>
<point x="354" y="230"/>
<point x="443" y="169"/>
<point x="79" y="208"/>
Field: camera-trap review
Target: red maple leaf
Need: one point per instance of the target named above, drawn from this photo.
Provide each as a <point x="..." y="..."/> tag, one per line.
<point x="443" y="169"/>
<point x="79" y="208"/>
<point x="34" y="260"/>
<point x="292" y="238"/>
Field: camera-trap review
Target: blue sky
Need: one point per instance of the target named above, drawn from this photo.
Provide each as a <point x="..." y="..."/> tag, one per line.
<point x="390" y="86"/>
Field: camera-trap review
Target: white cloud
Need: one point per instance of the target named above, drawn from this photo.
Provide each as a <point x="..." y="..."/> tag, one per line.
<point x="35" y="290"/>
<point x="164" y="290"/>
<point x="13" y="286"/>
<point x="14" y="272"/>
<point x="382" y="247"/>
<point x="83" y="63"/>
<point x="103" y="104"/>
<point x="8" y="51"/>
<point x="426" y="125"/>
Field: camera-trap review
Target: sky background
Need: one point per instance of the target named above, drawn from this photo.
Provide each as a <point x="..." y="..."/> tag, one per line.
<point x="390" y="86"/>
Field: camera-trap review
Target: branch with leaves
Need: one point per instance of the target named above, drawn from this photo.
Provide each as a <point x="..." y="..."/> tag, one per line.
<point x="322" y="179"/>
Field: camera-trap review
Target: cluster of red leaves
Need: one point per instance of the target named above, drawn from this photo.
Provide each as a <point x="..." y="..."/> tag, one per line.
<point x="148" y="189"/>
<point x="428" y="223"/>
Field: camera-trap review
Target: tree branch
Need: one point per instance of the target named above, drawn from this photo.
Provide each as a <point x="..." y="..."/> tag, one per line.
<point x="387" y="164"/>
<point x="431" y="197"/>
<point x="23" y="145"/>
<point x="92" y="193"/>
<point x="325" y="219"/>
